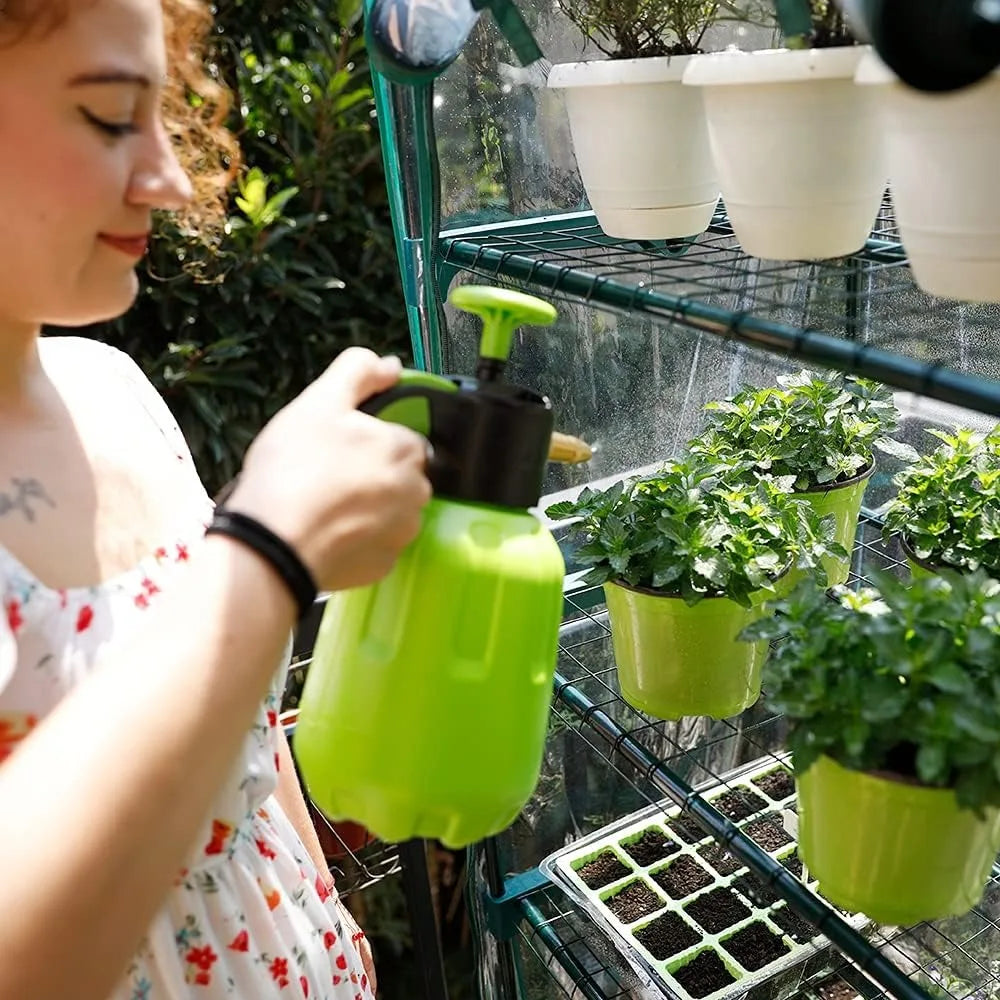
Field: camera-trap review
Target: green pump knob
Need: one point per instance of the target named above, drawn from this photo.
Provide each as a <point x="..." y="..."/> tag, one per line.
<point x="502" y="312"/>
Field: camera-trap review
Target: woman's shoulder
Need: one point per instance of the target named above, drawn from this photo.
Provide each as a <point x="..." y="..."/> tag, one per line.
<point x="88" y="357"/>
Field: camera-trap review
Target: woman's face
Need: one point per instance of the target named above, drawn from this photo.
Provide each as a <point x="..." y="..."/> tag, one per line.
<point x="84" y="159"/>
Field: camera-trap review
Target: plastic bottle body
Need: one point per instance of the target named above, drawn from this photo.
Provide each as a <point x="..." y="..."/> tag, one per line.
<point x="426" y="705"/>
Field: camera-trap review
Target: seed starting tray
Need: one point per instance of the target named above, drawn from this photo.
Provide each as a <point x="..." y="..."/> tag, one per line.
<point x="663" y="912"/>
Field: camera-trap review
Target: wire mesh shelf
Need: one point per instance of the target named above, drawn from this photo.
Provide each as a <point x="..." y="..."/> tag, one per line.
<point x="861" y="313"/>
<point x="616" y="759"/>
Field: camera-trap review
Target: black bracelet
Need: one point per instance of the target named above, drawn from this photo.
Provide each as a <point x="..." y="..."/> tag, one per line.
<point x="275" y="550"/>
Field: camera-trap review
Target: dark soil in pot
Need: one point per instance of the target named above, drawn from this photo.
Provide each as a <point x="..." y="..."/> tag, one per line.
<point x="739" y="803"/>
<point x="720" y="859"/>
<point x="602" y="871"/>
<point x="777" y="784"/>
<point x="717" y="910"/>
<point x="796" y="927"/>
<point x="687" y="829"/>
<point x="767" y="832"/>
<point x="754" y="946"/>
<point x="652" y="846"/>
<point x="682" y="877"/>
<point x="755" y="889"/>
<point x="666" y="936"/>
<point x="704" y="974"/>
<point x="633" y="902"/>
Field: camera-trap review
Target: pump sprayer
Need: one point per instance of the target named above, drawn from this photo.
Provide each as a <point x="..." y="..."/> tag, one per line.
<point x="425" y="707"/>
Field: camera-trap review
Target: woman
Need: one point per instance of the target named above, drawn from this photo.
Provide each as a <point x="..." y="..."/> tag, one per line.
<point x="147" y="840"/>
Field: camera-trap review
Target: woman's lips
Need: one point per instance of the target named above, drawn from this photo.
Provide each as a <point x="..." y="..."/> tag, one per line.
<point x="134" y="246"/>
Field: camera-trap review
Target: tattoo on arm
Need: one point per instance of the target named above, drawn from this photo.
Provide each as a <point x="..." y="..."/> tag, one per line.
<point x="24" y="496"/>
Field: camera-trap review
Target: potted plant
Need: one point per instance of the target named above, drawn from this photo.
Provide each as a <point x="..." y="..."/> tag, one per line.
<point x="639" y="136"/>
<point x="794" y="141"/>
<point x="946" y="512"/>
<point x="814" y="435"/>
<point x="687" y="557"/>
<point x="940" y="151"/>
<point x="893" y="701"/>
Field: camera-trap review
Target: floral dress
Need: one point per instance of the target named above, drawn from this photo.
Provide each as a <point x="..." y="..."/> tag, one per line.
<point x="248" y="917"/>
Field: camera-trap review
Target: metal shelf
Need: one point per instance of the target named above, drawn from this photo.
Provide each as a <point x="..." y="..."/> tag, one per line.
<point x="862" y="314"/>
<point x="644" y="761"/>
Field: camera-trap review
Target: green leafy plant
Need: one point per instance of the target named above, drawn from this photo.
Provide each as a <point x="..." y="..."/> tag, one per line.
<point x="903" y="679"/>
<point x="947" y="507"/>
<point x="695" y="529"/>
<point x="810" y="430"/>
<point x="635" y="29"/>
<point x="813" y="24"/>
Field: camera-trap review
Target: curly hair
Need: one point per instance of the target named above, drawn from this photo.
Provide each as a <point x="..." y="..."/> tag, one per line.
<point x="195" y="105"/>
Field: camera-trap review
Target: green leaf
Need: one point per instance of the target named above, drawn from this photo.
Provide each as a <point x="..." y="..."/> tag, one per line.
<point x="932" y="763"/>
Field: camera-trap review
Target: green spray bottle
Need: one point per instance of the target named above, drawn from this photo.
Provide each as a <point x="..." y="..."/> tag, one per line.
<point x="426" y="704"/>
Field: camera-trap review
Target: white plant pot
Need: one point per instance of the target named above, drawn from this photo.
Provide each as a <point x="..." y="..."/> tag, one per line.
<point x="641" y="145"/>
<point x="795" y="147"/>
<point x="943" y="151"/>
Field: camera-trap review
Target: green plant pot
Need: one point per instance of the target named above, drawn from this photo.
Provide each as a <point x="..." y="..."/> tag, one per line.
<point x="898" y="852"/>
<point x="675" y="660"/>
<point x="844" y="502"/>
<point x="918" y="567"/>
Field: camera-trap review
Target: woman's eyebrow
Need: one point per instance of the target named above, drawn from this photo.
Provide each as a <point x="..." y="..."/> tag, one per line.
<point x="110" y="76"/>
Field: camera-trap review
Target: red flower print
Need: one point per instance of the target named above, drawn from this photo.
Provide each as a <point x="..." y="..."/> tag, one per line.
<point x="204" y="958"/>
<point x="304" y="983"/>
<point x="272" y="718"/>
<point x="354" y="978"/>
<point x="321" y="890"/>
<point x="141" y="601"/>
<point x="84" y="618"/>
<point x="272" y="899"/>
<point x="150" y="587"/>
<point x="329" y="940"/>
<point x="364" y="981"/>
<point x="182" y="553"/>
<point x="279" y="971"/>
<point x="220" y="833"/>
<point x="160" y="553"/>
<point x="277" y="763"/>
<point x="203" y="979"/>
<point x="241" y="942"/>
<point x="14" y="619"/>
<point x="265" y="850"/>
<point x="341" y="962"/>
<point x="337" y="980"/>
<point x="358" y="996"/>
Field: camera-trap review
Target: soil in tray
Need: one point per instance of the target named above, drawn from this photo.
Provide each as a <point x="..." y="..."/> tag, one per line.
<point x="717" y="910"/>
<point x="704" y="974"/>
<point x="777" y="784"/>
<point x="653" y="845"/>
<point x="755" y="889"/>
<point x="755" y="946"/>
<point x="796" y="927"/>
<point x="836" y="989"/>
<point x="682" y="877"/>
<point x="720" y="859"/>
<point x="602" y="871"/>
<point x="633" y="902"/>
<point x="666" y="936"/>
<point x="767" y="832"/>
<point x="793" y="863"/>
<point x="739" y="803"/>
<point x="687" y="829"/>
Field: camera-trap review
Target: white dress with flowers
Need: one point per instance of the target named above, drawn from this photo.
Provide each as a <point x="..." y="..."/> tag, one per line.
<point x="248" y="918"/>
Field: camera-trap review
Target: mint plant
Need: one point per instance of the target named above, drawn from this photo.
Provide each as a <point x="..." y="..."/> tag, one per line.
<point x="811" y="430"/>
<point x="696" y="529"/>
<point x="947" y="508"/>
<point x="903" y="679"/>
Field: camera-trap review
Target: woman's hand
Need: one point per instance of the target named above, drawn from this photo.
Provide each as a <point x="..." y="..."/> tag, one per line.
<point x="343" y="488"/>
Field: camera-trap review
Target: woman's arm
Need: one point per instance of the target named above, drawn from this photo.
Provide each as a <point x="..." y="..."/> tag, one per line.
<point x="292" y="801"/>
